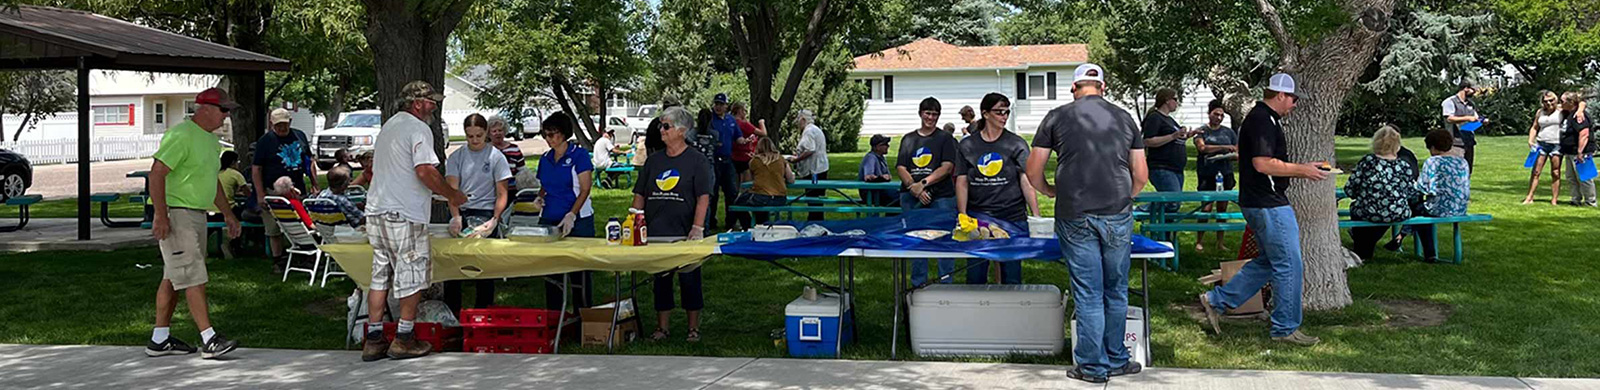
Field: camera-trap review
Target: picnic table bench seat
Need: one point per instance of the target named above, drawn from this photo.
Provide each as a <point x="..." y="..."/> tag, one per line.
<point x="105" y="199"/>
<point x="22" y="202"/>
<point x="1454" y="221"/>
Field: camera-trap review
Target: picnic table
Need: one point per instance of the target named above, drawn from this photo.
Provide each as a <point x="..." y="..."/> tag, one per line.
<point x="847" y="203"/>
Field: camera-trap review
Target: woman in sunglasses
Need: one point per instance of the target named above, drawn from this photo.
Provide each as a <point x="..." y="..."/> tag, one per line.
<point x="991" y="181"/>
<point x="1545" y="139"/>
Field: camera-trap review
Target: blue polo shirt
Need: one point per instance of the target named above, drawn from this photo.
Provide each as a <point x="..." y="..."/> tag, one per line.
<point x="728" y="131"/>
<point x="559" y="179"/>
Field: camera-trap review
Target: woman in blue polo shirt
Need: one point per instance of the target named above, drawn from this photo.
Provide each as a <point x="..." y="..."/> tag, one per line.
<point x="565" y="177"/>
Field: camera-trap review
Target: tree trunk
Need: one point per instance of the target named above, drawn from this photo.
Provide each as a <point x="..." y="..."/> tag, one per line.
<point x="408" y="44"/>
<point x="1325" y="72"/>
<point x="755" y="35"/>
<point x="1234" y="92"/>
<point x="22" y="126"/>
<point x="336" y="104"/>
<point x="584" y="114"/>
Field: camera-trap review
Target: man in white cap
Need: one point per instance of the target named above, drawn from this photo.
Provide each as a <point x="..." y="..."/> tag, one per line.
<point x="1264" y="173"/>
<point x="183" y="186"/>
<point x="1100" y="165"/>
<point x="282" y="152"/>
<point x="397" y="220"/>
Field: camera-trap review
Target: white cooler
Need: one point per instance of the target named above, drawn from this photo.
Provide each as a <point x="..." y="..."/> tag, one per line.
<point x="956" y="319"/>
<point x="1135" y="339"/>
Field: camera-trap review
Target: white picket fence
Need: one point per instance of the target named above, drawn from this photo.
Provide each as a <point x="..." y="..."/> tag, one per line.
<point x="65" y="150"/>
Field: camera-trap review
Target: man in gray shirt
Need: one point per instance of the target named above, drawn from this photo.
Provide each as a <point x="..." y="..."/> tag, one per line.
<point x="1100" y="165"/>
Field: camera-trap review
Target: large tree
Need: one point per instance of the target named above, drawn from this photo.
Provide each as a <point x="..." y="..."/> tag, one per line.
<point x="35" y="96"/>
<point x="408" y="40"/>
<point x="333" y="69"/>
<point x="1326" y="44"/>
<point x="767" y="31"/>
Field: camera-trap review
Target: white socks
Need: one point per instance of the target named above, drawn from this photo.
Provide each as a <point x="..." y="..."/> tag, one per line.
<point x="405" y="326"/>
<point x="160" y="335"/>
<point x="205" y="335"/>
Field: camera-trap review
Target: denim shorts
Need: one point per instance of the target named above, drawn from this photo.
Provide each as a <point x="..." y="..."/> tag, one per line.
<point x="1549" y="149"/>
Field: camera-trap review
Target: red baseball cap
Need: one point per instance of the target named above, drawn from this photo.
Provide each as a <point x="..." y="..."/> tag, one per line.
<point x="216" y="97"/>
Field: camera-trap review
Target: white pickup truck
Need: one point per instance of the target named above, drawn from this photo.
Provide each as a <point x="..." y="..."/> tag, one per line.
<point x="356" y="132"/>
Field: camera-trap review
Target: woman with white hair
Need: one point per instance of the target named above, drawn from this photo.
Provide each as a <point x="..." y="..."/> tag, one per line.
<point x="811" y="154"/>
<point x="1380" y="189"/>
<point x="674" y="190"/>
<point x="497" y="137"/>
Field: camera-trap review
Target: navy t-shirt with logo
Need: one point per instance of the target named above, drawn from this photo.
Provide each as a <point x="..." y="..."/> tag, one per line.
<point x="922" y="155"/>
<point x="994" y="175"/>
<point x="670" y="186"/>
<point x="280" y="156"/>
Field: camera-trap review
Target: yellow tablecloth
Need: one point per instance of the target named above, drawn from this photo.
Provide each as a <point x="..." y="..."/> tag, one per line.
<point x="476" y="258"/>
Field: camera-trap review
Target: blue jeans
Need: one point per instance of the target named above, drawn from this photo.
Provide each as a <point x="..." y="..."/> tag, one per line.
<point x="1097" y="250"/>
<point x="1167" y="181"/>
<point x="1278" y="235"/>
<point x="919" y="267"/>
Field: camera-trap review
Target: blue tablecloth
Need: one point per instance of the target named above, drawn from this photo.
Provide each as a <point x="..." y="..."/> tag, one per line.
<point x="888" y="233"/>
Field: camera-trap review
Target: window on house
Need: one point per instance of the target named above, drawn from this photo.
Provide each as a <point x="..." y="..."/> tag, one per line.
<point x="874" y="90"/>
<point x="617" y="100"/>
<point x="120" y="115"/>
<point x="188" y="108"/>
<point x="160" y="116"/>
<point x="1036" y="86"/>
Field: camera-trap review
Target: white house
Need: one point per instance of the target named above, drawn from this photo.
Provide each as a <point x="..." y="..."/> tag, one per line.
<point x="124" y="104"/>
<point x="899" y="78"/>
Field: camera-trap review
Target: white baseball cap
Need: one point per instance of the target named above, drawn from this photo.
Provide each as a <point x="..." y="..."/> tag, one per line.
<point x="1089" y="72"/>
<point x="1281" y="82"/>
<point x="279" y="116"/>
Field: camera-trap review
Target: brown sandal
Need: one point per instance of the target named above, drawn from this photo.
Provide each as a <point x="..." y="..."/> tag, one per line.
<point x="693" y="336"/>
<point x="659" y="335"/>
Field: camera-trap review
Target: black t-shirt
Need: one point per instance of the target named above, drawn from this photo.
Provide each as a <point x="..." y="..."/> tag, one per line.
<point x="922" y="155"/>
<point x="1571" y="132"/>
<point x="671" y="185"/>
<point x="1220" y="136"/>
<point x="994" y="175"/>
<point x="1171" y="156"/>
<point x="1261" y="136"/>
<point x="1405" y="155"/>
<point x="1091" y="138"/>
<point x="283" y="156"/>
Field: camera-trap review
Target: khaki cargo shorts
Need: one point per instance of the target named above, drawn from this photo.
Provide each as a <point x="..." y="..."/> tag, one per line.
<point x="183" y="253"/>
<point x="399" y="254"/>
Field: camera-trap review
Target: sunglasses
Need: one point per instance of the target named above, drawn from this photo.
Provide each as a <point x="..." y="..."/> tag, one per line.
<point x="1551" y="101"/>
<point x="1001" y="112"/>
<point x="224" y="110"/>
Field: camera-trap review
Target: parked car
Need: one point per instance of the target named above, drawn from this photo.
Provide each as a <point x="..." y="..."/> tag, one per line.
<point x="356" y="132"/>
<point x="16" y="174"/>
<point x="527" y="128"/>
<point x="624" y="128"/>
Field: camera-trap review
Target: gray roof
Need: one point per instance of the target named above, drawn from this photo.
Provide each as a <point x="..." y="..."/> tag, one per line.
<point x="34" y="36"/>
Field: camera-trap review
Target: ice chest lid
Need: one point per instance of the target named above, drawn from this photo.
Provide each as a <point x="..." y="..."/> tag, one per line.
<point x="826" y="305"/>
<point x="1042" y="295"/>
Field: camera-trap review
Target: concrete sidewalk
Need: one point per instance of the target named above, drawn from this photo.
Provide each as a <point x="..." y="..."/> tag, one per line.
<point x="102" y="367"/>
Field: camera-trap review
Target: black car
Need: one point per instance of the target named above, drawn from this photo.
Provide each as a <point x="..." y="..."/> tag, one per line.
<point x="16" y="174"/>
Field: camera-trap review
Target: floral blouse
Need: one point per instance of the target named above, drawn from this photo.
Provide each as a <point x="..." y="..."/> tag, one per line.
<point x="1447" y="184"/>
<point x="1381" y="190"/>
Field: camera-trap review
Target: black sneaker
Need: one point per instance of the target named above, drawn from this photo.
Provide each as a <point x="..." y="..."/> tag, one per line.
<point x="218" y="346"/>
<point x="1077" y="373"/>
<point x="172" y="346"/>
<point x="1130" y="368"/>
<point x="1393" y="245"/>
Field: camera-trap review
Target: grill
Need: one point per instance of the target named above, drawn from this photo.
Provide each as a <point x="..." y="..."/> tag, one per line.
<point x="333" y="142"/>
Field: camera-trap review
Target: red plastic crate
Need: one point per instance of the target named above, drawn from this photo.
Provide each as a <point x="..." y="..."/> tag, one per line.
<point x="534" y="346"/>
<point x="496" y="334"/>
<point x="509" y="317"/>
<point x="431" y="332"/>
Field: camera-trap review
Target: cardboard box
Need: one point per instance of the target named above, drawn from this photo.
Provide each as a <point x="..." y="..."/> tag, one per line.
<point x="597" y="324"/>
<point x="1255" y="303"/>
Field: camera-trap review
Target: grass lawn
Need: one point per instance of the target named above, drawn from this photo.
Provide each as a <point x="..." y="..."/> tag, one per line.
<point x="1525" y="303"/>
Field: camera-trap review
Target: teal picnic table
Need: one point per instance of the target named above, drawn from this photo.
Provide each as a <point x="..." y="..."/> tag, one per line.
<point x="867" y="204"/>
<point x="1158" y="213"/>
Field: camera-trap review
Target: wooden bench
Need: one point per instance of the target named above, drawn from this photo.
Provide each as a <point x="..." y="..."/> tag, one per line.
<point x="105" y="199"/>
<point x="1454" y="221"/>
<point x="22" y="202"/>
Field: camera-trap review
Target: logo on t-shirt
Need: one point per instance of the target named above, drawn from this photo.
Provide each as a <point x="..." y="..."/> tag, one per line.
<point x="291" y="155"/>
<point x="991" y="164"/>
<point x="668" y="180"/>
<point x="922" y="157"/>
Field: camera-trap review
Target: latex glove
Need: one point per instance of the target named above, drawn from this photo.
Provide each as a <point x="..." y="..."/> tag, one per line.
<point x="567" y="222"/>
<point x="486" y="228"/>
<point x="455" y="226"/>
<point x="697" y="233"/>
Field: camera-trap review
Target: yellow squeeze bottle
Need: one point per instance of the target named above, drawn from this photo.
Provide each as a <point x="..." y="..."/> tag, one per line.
<point x="627" y="231"/>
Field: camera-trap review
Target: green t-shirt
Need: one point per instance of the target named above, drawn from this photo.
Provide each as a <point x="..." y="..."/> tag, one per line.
<point x="192" y="153"/>
<point x="231" y="181"/>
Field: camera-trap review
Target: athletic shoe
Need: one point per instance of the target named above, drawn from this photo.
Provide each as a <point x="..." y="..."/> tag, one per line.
<point x="218" y="346"/>
<point x="406" y="346"/>
<point x="1077" y="373"/>
<point x="1211" y="313"/>
<point x="1130" y="368"/>
<point x="172" y="346"/>
<point x="1298" y="338"/>
<point x="374" y="348"/>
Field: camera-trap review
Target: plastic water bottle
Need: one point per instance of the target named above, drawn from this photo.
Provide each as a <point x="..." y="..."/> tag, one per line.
<point x="1219" y="182"/>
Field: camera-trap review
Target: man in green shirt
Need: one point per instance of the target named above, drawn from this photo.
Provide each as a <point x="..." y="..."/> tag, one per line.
<point x="183" y="184"/>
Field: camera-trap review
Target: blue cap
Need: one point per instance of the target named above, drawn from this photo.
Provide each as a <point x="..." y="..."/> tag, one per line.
<point x="721" y="98"/>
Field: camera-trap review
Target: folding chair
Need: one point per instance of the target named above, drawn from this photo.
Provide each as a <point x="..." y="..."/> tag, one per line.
<point x="302" y="240"/>
<point x="327" y="217"/>
<point x="524" y="209"/>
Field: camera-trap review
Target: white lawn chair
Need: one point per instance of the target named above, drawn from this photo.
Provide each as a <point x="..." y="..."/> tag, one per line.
<point x="329" y="219"/>
<point x="302" y="240"/>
